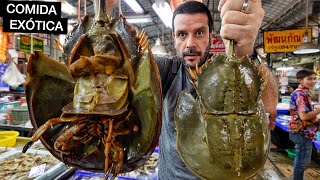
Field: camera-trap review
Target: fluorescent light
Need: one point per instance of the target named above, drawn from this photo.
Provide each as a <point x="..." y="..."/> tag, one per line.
<point x="139" y="19"/>
<point x="306" y="47"/>
<point x="158" y="48"/>
<point x="65" y="7"/>
<point x="135" y="6"/>
<point x="68" y="8"/>
<point x="72" y="21"/>
<point x="284" y="68"/>
<point x="163" y="10"/>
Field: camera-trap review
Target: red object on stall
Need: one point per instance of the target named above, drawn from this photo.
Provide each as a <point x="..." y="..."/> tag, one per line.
<point x="217" y="45"/>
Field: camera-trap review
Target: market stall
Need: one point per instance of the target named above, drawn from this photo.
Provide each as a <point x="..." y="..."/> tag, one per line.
<point x="281" y="134"/>
<point x="37" y="163"/>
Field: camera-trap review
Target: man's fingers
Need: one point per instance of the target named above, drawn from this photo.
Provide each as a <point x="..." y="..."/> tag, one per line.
<point x="241" y="49"/>
<point x="235" y="32"/>
<point x="236" y="17"/>
<point x="236" y="5"/>
<point x="221" y="3"/>
<point x="241" y="27"/>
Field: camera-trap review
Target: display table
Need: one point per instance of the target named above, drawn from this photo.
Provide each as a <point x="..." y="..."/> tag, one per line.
<point x="35" y="157"/>
<point x="24" y="131"/>
<point x="17" y="93"/>
<point x="317" y="144"/>
<point x="284" y="125"/>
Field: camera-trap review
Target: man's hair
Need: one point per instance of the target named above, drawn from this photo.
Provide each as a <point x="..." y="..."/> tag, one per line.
<point x="304" y="73"/>
<point x="193" y="7"/>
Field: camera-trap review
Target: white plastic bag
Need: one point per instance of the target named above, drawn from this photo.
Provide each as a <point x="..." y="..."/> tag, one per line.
<point x="13" y="76"/>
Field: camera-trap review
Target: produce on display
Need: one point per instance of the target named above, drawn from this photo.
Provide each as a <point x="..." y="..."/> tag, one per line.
<point x="147" y="171"/>
<point x="18" y="165"/>
<point x="228" y="137"/>
<point x="102" y="110"/>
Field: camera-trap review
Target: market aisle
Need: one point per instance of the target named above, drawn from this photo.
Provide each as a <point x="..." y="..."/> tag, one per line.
<point x="279" y="167"/>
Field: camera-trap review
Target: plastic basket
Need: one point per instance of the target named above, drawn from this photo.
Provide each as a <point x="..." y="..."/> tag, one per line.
<point x="291" y="153"/>
<point x="20" y="115"/>
<point x="4" y="106"/>
<point x="8" y="138"/>
<point x="318" y="136"/>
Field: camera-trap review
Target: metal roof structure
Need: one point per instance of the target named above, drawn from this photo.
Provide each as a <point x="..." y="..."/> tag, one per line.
<point x="284" y="14"/>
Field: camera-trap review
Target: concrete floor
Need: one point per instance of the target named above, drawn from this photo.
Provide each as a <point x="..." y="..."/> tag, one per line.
<point x="280" y="167"/>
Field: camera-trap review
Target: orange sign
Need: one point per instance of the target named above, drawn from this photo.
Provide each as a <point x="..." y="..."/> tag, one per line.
<point x="283" y="41"/>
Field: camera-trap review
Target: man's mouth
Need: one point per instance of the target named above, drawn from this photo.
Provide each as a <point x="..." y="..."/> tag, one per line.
<point x="191" y="52"/>
<point x="190" y="58"/>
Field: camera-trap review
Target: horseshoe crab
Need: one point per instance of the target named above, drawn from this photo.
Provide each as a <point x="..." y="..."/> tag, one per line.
<point x="223" y="132"/>
<point x="101" y="112"/>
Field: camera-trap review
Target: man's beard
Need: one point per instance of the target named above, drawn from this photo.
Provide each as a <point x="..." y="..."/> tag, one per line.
<point x="194" y="52"/>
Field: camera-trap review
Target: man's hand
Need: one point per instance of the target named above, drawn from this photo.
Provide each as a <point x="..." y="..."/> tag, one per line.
<point x="110" y="5"/>
<point x="242" y="27"/>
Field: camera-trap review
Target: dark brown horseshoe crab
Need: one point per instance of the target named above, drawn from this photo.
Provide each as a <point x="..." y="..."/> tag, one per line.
<point x="223" y="133"/>
<point x="101" y="112"/>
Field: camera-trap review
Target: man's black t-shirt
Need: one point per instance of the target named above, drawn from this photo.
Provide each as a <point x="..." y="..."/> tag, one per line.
<point x="174" y="78"/>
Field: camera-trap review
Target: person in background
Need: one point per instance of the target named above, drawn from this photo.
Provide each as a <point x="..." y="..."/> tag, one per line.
<point x="304" y="123"/>
<point x="192" y="27"/>
<point x="290" y="89"/>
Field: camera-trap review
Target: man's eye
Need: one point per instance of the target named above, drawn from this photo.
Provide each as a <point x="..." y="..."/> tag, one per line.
<point x="181" y="34"/>
<point x="199" y="33"/>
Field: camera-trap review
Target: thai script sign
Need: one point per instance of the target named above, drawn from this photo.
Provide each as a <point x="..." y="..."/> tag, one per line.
<point x="283" y="41"/>
<point x="217" y="45"/>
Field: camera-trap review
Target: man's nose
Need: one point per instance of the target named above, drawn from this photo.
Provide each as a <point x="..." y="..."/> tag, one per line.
<point x="191" y="42"/>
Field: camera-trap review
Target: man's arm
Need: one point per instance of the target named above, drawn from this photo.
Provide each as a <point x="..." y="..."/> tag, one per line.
<point x="269" y="94"/>
<point x="304" y="116"/>
<point x="242" y="27"/>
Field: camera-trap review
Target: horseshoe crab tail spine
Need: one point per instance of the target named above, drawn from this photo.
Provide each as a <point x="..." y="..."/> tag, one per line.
<point x="230" y="52"/>
<point x="100" y="10"/>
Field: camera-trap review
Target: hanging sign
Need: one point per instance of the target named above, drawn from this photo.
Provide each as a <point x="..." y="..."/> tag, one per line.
<point x="316" y="68"/>
<point x="283" y="41"/>
<point x="217" y="45"/>
<point x="25" y="44"/>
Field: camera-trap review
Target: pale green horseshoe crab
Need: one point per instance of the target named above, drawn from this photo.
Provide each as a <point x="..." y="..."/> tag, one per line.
<point x="102" y="111"/>
<point x="223" y="132"/>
